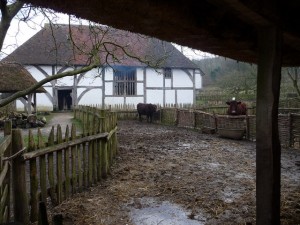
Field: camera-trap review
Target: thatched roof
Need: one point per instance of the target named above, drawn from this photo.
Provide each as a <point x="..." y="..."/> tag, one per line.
<point x="60" y="45"/>
<point x="15" y="77"/>
<point x="225" y="27"/>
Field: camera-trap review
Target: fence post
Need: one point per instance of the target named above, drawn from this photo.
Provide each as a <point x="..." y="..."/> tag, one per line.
<point x="42" y="219"/>
<point x="33" y="180"/>
<point x="177" y="117"/>
<point x="216" y="121"/>
<point x="104" y="165"/>
<point x="247" y="127"/>
<point x="291" y="142"/>
<point x="115" y="134"/>
<point x="7" y="179"/>
<point x="21" y="211"/>
<point x="59" y="165"/>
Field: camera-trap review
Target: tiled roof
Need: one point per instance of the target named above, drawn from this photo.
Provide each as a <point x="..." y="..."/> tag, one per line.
<point x="14" y="77"/>
<point x="72" y="45"/>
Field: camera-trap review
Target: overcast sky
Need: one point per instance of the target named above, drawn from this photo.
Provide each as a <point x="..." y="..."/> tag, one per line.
<point x="20" y="31"/>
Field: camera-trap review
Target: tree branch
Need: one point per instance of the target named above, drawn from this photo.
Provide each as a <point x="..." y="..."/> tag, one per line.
<point x="31" y="89"/>
<point x="8" y="12"/>
<point x="150" y="63"/>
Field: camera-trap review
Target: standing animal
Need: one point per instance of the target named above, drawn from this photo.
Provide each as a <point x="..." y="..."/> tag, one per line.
<point x="236" y="108"/>
<point x="146" y="109"/>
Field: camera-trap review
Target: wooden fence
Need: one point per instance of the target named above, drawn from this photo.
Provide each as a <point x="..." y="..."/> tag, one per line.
<point x="129" y="111"/>
<point x="211" y="119"/>
<point x="289" y="124"/>
<point x="5" y="167"/>
<point x="65" y="165"/>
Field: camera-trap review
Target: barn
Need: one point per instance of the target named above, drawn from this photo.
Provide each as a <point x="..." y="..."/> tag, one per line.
<point x="132" y="68"/>
<point x="14" y="78"/>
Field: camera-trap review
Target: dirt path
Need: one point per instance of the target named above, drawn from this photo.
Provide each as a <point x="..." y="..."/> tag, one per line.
<point x="211" y="179"/>
<point x="62" y="118"/>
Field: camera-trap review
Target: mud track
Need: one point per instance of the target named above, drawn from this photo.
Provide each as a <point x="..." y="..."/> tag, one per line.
<point x="212" y="179"/>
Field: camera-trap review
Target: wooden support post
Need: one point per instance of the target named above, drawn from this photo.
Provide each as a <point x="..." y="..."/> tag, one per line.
<point x="21" y="211"/>
<point x="29" y="100"/>
<point x="268" y="148"/>
<point x="34" y="103"/>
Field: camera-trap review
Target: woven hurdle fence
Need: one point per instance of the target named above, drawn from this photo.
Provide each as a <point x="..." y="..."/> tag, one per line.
<point x="288" y="124"/>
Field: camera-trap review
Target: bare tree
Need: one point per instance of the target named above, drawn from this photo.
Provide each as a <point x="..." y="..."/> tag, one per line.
<point x="8" y="11"/>
<point x="97" y="45"/>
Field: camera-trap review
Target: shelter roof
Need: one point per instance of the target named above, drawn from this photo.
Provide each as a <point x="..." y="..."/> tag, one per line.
<point x="223" y="27"/>
<point x="14" y="77"/>
<point x="73" y="45"/>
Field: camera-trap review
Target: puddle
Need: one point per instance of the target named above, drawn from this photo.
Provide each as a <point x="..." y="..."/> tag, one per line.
<point x="148" y="211"/>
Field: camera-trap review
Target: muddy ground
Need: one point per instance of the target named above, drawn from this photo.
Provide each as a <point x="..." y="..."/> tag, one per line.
<point x="211" y="179"/>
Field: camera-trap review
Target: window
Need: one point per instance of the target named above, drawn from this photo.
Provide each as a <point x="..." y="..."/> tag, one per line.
<point x="168" y="73"/>
<point x="124" y="82"/>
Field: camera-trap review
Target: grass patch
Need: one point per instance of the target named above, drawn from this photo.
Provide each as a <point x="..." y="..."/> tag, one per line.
<point x="47" y="115"/>
<point x="78" y="124"/>
<point x="35" y="138"/>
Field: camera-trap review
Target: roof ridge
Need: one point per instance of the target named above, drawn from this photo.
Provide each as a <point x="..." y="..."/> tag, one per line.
<point x="54" y="47"/>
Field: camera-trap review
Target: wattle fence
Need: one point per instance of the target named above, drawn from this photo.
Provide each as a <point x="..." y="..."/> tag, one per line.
<point x="289" y="124"/>
<point x="214" y="119"/>
<point x="54" y="171"/>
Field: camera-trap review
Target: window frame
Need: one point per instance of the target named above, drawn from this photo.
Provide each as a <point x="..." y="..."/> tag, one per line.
<point x="168" y="73"/>
<point x="127" y="85"/>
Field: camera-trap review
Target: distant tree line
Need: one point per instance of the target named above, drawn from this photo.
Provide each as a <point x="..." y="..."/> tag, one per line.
<point x="235" y="77"/>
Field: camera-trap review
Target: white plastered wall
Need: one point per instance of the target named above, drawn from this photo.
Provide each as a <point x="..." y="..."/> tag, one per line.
<point x="182" y="79"/>
<point x="154" y="78"/>
<point x="92" y="97"/>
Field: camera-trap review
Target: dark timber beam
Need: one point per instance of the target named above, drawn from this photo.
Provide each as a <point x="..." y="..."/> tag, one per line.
<point x="268" y="149"/>
<point x="244" y="12"/>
